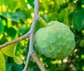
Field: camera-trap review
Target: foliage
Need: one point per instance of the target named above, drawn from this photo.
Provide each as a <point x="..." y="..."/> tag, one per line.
<point x="15" y="20"/>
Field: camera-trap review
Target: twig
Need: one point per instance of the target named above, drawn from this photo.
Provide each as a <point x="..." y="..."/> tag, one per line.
<point x="41" y="20"/>
<point x="31" y="51"/>
<point x="38" y="62"/>
<point x="16" y="40"/>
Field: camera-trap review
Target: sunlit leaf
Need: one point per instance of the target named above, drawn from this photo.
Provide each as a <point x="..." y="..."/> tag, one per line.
<point x="45" y="4"/>
<point x="11" y="4"/>
<point x="17" y="60"/>
<point x="9" y="50"/>
<point x="24" y="4"/>
<point x="2" y="62"/>
<point x="1" y="2"/>
<point x="1" y="26"/>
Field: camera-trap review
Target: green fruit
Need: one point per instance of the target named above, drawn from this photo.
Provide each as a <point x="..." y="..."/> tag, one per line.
<point x="54" y="41"/>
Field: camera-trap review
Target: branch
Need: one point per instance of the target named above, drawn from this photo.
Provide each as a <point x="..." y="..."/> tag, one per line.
<point x="31" y="51"/>
<point x="38" y="62"/>
<point x="16" y="40"/>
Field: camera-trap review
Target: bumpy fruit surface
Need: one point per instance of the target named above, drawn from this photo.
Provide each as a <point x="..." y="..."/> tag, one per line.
<point x="54" y="41"/>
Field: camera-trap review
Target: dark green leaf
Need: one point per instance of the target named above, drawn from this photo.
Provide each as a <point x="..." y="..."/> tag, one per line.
<point x="24" y="30"/>
<point x="16" y="67"/>
<point x="31" y="2"/>
<point x="11" y="31"/>
<point x="79" y="20"/>
<point x="9" y="67"/>
<point x="82" y="2"/>
<point x="1" y="26"/>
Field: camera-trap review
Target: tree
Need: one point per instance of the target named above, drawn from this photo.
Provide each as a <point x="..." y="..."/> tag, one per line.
<point x="16" y="17"/>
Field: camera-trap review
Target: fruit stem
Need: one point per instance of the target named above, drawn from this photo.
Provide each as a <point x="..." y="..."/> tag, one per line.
<point x="42" y="21"/>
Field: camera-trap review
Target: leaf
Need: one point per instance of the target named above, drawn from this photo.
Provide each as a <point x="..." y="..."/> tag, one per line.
<point x="63" y="16"/>
<point x="14" y="17"/>
<point x="2" y="62"/>
<point x="21" y="15"/>
<point x="79" y="20"/>
<point x="17" y="60"/>
<point x="53" y="16"/>
<point x="11" y="31"/>
<point x="82" y="1"/>
<point x="11" y="4"/>
<point x="1" y="26"/>
<point x="1" y="2"/>
<point x="9" y="67"/>
<point x="24" y="4"/>
<point x="81" y="43"/>
<point x="10" y="15"/>
<point x="31" y="2"/>
<point x="9" y="50"/>
<point x="16" y="67"/>
<point x="45" y="4"/>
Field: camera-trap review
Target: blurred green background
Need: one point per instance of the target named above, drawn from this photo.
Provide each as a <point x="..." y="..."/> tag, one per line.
<point x="15" y="20"/>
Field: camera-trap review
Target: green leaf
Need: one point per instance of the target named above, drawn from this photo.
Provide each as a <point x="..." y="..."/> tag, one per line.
<point x="53" y="16"/>
<point x="10" y="15"/>
<point x="9" y="50"/>
<point x="2" y="62"/>
<point x="82" y="1"/>
<point x="17" y="60"/>
<point x="45" y="4"/>
<point x="21" y="15"/>
<point x="11" y="4"/>
<point x="14" y="17"/>
<point x="11" y="33"/>
<point x="9" y="67"/>
<point x="63" y="16"/>
<point x="31" y="2"/>
<point x="1" y="26"/>
<point x="81" y="43"/>
<point x="23" y="4"/>
<point x="16" y="67"/>
<point x="1" y="2"/>
<point x="79" y="20"/>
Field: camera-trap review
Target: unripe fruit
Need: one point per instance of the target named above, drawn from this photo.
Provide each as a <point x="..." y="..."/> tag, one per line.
<point x="54" y="41"/>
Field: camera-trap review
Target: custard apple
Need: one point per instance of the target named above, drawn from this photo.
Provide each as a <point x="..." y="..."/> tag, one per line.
<point x="54" y="41"/>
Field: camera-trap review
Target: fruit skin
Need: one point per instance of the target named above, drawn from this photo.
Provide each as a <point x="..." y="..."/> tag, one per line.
<point x="54" y="41"/>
